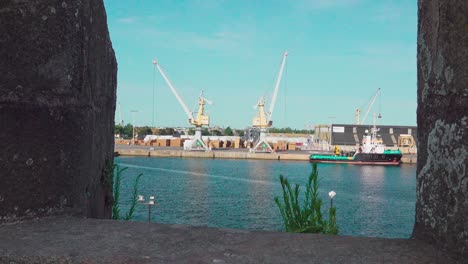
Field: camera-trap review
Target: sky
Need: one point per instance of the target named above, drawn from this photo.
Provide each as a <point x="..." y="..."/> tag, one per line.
<point x="340" y="53"/>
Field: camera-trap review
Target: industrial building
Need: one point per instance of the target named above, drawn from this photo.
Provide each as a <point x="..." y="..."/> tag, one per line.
<point x="351" y="134"/>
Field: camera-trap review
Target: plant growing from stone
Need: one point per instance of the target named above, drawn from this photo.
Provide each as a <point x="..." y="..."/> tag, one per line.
<point x="305" y="216"/>
<point x="133" y="200"/>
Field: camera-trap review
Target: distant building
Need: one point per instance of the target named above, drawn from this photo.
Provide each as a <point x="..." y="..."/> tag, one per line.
<point x="351" y="134"/>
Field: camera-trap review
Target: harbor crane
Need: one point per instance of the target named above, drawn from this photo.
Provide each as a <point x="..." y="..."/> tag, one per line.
<point x="263" y="119"/>
<point x="358" y="111"/>
<point x="200" y="120"/>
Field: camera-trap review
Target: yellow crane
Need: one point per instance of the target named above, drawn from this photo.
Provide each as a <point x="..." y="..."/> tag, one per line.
<point x="200" y="120"/>
<point x="263" y="119"/>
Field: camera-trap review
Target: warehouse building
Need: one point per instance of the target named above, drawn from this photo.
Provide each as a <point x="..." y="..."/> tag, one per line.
<point x="351" y="135"/>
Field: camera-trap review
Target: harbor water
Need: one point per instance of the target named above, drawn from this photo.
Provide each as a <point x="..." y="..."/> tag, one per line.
<point x="374" y="201"/>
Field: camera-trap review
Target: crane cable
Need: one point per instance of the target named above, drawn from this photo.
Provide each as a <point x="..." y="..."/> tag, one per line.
<point x="285" y="92"/>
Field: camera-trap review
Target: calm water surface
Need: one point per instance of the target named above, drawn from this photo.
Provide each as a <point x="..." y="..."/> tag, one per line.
<point x="371" y="200"/>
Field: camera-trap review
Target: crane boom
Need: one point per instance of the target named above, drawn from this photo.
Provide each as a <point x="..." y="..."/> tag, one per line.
<point x="174" y="91"/>
<point x="370" y="106"/>
<point x="278" y="81"/>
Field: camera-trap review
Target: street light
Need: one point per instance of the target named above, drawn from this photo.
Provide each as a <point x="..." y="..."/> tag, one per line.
<point x="141" y="199"/>
<point x="330" y="129"/>
<point x="331" y="194"/>
<point x="133" y="125"/>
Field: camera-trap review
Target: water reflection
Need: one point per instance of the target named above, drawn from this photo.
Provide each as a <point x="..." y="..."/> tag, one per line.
<point x="372" y="176"/>
<point x="371" y="201"/>
<point x="196" y="193"/>
<point x="259" y="194"/>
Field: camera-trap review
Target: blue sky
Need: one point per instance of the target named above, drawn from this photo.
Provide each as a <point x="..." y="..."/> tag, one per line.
<point x="340" y="52"/>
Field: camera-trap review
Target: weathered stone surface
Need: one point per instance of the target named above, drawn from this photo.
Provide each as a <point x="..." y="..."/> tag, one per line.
<point x="442" y="182"/>
<point x="74" y="240"/>
<point x="57" y="103"/>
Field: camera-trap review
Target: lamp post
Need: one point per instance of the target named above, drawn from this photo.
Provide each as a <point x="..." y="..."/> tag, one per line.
<point x="141" y="199"/>
<point x="330" y="129"/>
<point x="331" y="194"/>
<point x="133" y="125"/>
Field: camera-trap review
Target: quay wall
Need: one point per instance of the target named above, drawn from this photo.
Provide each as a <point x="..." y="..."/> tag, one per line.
<point x="406" y="159"/>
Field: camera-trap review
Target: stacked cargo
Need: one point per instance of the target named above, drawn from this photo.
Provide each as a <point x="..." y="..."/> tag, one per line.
<point x="177" y="142"/>
<point x="215" y="144"/>
<point x="291" y="146"/>
<point x="163" y="142"/>
<point x="123" y="141"/>
<point x="274" y="146"/>
<point x="282" y="145"/>
<point x="238" y="143"/>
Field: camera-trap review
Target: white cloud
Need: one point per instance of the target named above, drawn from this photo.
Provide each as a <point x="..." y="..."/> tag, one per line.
<point x="128" y="20"/>
<point x="327" y="4"/>
<point x="182" y="40"/>
<point x="389" y="12"/>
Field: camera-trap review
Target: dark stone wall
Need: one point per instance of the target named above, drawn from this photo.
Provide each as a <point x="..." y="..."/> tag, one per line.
<point x="58" y="77"/>
<point x="442" y="182"/>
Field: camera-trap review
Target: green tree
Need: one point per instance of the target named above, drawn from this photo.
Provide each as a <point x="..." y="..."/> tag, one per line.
<point x="305" y="216"/>
<point x="290" y="130"/>
<point x="228" y="131"/>
<point x="170" y="131"/>
<point x="205" y="132"/>
<point x="128" y="131"/>
<point x="166" y="131"/>
<point x="118" y="130"/>
<point x="143" y="131"/>
<point x="216" y="133"/>
<point x="191" y="131"/>
<point x="240" y="133"/>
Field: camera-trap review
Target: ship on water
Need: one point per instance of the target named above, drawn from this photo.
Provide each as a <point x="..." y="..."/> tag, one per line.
<point x="371" y="152"/>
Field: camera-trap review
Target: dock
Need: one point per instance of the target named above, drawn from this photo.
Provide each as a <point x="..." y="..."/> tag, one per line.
<point x="141" y="151"/>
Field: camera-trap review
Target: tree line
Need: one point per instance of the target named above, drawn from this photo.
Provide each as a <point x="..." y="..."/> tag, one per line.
<point x="127" y="131"/>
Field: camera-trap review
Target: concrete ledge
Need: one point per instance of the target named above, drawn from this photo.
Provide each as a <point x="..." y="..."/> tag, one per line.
<point x="225" y="154"/>
<point x="70" y="239"/>
<point x="213" y="154"/>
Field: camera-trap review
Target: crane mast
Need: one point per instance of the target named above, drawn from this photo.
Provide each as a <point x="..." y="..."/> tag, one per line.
<point x="263" y="120"/>
<point x="358" y="113"/>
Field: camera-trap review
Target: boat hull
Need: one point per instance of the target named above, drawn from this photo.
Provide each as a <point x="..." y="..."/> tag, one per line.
<point x="360" y="159"/>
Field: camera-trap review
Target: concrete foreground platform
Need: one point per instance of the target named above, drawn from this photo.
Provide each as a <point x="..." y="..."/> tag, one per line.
<point x="68" y="239"/>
